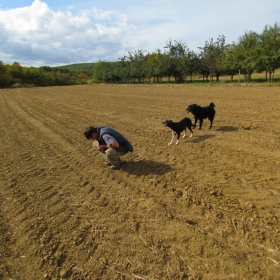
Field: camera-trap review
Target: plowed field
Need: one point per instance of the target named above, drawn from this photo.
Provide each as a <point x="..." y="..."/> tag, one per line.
<point x="207" y="208"/>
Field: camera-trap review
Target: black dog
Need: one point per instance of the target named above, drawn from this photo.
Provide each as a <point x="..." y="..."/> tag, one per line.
<point x="178" y="127"/>
<point x="201" y="113"/>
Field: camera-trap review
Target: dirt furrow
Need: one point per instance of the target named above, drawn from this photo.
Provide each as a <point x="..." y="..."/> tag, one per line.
<point x="207" y="208"/>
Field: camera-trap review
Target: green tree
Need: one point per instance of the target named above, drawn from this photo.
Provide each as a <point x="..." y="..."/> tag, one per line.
<point x="211" y="57"/>
<point x="270" y="50"/>
<point x="229" y="61"/>
<point x="35" y="76"/>
<point x="137" y="65"/>
<point x="16" y="72"/>
<point x="100" y="72"/>
<point x="177" y="52"/>
<point x="248" y="53"/>
<point x="5" y="77"/>
<point x="153" y="66"/>
<point x="123" y="70"/>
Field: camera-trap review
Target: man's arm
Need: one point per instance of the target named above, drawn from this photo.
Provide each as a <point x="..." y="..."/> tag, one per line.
<point x="110" y="141"/>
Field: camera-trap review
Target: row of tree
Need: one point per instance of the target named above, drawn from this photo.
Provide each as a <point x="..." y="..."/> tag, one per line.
<point x="253" y="52"/>
<point x="16" y="75"/>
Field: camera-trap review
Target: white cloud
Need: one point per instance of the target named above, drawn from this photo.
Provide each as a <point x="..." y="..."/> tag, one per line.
<point x="86" y="31"/>
<point x="55" y="38"/>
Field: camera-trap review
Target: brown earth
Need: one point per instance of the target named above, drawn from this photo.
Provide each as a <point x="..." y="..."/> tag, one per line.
<point x="207" y="208"/>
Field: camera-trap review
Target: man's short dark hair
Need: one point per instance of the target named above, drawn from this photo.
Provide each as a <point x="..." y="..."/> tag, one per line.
<point x="88" y="132"/>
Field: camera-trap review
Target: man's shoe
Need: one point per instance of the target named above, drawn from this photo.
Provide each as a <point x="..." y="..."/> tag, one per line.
<point x="118" y="166"/>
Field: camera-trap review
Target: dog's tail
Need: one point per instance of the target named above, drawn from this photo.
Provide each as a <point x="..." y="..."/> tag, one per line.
<point x="193" y="125"/>
<point x="212" y="104"/>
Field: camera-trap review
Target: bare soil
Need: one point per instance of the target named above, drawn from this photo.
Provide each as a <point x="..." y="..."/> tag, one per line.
<point x="207" y="208"/>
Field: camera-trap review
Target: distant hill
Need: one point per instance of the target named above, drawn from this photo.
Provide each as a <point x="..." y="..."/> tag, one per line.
<point x="79" y="67"/>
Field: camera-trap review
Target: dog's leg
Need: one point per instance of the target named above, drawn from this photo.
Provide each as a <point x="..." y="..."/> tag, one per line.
<point x="177" y="142"/>
<point x="190" y="129"/>
<point x="172" y="138"/>
<point x="184" y="134"/>
<point x="211" y="123"/>
<point x="200" y="123"/>
<point x="195" y="122"/>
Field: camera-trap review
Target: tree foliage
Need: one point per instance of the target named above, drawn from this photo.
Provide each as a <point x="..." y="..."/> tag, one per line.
<point x="5" y="76"/>
<point x="211" y="57"/>
<point x="270" y="50"/>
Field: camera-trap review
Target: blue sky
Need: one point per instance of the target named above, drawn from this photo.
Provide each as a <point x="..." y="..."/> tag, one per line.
<point x="60" y="32"/>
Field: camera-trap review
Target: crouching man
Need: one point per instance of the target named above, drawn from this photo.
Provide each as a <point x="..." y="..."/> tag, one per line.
<point x="110" y="143"/>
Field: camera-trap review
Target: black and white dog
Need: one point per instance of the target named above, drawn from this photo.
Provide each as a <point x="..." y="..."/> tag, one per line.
<point x="178" y="127"/>
<point x="201" y="113"/>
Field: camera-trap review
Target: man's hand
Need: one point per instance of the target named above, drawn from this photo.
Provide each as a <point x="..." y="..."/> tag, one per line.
<point x="114" y="145"/>
<point x="102" y="147"/>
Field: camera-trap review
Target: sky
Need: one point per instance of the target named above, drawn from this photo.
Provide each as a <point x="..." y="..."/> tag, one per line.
<point x="61" y="32"/>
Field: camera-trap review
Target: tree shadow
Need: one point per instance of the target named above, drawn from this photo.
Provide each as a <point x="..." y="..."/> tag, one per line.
<point x="145" y="167"/>
<point x="227" y="128"/>
<point x="198" y="139"/>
